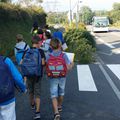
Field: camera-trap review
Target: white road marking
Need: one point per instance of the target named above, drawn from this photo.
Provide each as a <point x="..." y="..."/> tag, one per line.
<point x="116" y="34"/>
<point x="115" y="89"/>
<point x="115" y="68"/>
<point x="108" y="54"/>
<point x="107" y="44"/>
<point x="115" y="43"/>
<point x="116" y="51"/>
<point x="85" y="79"/>
<point x="102" y="41"/>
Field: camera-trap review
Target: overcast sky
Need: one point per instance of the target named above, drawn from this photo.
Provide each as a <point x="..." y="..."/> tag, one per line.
<point x="63" y="5"/>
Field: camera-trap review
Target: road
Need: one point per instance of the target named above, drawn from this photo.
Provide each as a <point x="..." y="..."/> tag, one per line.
<point x="92" y="91"/>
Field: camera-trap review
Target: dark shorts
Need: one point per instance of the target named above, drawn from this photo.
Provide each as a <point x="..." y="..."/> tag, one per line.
<point x="34" y="85"/>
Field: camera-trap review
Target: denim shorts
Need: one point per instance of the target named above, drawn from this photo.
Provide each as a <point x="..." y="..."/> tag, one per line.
<point x="57" y="87"/>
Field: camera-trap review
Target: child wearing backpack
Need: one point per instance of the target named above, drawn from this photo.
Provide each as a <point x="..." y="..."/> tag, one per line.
<point x="46" y="43"/>
<point x="9" y="76"/>
<point x="56" y="68"/>
<point x="32" y="67"/>
<point x="20" y="48"/>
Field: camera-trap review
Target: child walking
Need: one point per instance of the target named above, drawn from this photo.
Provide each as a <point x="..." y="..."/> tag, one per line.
<point x="32" y="67"/>
<point x="57" y="75"/>
<point x="9" y="76"/>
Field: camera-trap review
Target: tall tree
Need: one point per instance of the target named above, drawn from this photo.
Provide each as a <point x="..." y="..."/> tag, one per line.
<point x="86" y="14"/>
<point x="116" y="6"/>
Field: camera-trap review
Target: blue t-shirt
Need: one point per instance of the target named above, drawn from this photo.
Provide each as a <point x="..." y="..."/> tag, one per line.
<point x="59" y="35"/>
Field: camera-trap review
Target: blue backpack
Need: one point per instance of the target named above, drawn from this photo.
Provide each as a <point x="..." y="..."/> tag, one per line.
<point x="6" y="82"/>
<point x="20" y="53"/>
<point x="32" y="63"/>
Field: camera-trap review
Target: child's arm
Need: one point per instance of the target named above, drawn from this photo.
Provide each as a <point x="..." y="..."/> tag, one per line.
<point x="70" y="66"/>
<point x="16" y="75"/>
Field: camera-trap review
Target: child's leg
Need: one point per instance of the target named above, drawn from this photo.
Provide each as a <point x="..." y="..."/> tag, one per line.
<point x="55" y="105"/>
<point x="7" y="112"/>
<point x="32" y="102"/>
<point x="37" y="91"/>
<point x="54" y="94"/>
<point x="37" y="101"/>
<point x="30" y="84"/>
<point x="60" y="101"/>
<point x="61" y="91"/>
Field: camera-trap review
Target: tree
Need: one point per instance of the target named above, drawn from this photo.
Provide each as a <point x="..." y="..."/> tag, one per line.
<point x="114" y="14"/>
<point x="6" y="1"/>
<point x="116" y="6"/>
<point x="29" y="2"/>
<point x="86" y="15"/>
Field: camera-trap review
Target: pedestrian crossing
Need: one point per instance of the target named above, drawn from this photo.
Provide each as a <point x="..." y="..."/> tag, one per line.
<point x="86" y="80"/>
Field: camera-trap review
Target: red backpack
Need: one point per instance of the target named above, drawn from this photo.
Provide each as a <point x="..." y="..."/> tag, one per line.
<point x="56" y="66"/>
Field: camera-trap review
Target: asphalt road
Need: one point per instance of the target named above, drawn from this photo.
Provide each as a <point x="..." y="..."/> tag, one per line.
<point x="82" y="102"/>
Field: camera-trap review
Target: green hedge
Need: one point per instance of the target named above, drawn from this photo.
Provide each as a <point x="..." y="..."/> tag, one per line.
<point x="14" y="20"/>
<point x="81" y="43"/>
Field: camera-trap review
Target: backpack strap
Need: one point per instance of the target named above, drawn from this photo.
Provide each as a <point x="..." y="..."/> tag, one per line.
<point x="3" y="57"/>
<point x="61" y="54"/>
<point x="25" y="46"/>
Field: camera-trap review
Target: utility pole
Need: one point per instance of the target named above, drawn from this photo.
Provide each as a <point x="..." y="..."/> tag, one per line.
<point x="70" y="13"/>
<point x="77" y="13"/>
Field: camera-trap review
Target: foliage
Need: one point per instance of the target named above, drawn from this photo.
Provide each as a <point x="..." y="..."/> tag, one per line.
<point x="86" y="15"/>
<point x="29" y="2"/>
<point x="81" y="26"/>
<point x="9" y="12"/>
<point x="117" y="24"/>
<point x="14" y="20"/>
<point x="114" y="14"/>
<point x="116" y="6"/>
<point x="5" y="1"/>
<point x="82" y="43"/>
<point x="53" y="17"/>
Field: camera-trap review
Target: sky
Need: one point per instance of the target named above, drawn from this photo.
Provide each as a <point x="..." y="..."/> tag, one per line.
<point x="64" y="5"/>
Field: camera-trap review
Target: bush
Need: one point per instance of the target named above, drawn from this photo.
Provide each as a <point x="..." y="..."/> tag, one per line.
<point x="81" y="26"/>
<point x="82" y="44"/>
<point x="14" y="20"/>
<point x="77" y="34"/>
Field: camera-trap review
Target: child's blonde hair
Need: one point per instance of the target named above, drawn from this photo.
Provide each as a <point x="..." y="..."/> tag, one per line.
<point x="19" y="37"/>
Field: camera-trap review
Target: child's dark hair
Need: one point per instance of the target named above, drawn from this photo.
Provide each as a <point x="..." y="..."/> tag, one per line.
<point x="40" y="31"/>
<point x="48" y="35"/>
<point x="36" y="39"/>
<point x="55" y="43"/>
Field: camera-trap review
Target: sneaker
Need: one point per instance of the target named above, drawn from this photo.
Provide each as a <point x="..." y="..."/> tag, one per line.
<point x="60" y="109"/>
<point x="37" y="116"/>
<point x="57" y="116"/>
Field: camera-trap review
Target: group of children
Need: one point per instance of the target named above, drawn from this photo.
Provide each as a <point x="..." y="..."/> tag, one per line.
<point x="47" y="52"/>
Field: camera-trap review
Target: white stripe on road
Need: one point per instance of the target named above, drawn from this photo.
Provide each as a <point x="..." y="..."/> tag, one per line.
<point x="85" y="79"/>
<point x="107" y="44"/>
<point x="102" y="41"/>
<point x="115" y="68"/>
<point x="110" y="81"/>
